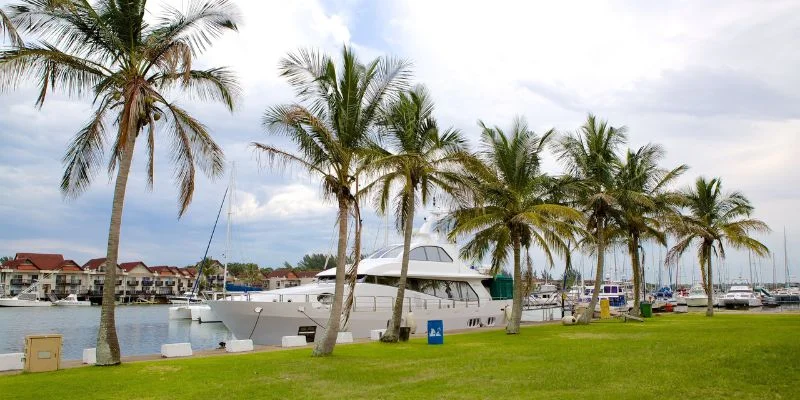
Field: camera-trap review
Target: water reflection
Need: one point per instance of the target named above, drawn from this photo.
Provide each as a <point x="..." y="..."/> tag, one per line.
<point x="141" y="329"/>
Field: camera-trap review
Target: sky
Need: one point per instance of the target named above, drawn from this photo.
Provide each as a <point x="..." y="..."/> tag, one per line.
<point x="713" y="82"/>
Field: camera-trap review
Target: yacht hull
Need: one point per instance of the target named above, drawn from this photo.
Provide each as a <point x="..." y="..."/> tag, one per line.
<point x="180" y="312"/>
<point x="203" y="313"/>
<point x="24" y="303"/>
<point x="278" y="319"/>
<point x="697" y="301"/>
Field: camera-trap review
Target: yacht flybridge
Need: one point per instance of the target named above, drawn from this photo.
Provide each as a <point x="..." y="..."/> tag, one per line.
<point x="439" y="287"/>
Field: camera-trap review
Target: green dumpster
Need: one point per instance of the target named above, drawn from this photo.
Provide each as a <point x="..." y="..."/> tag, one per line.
<point x="646" y="309"/>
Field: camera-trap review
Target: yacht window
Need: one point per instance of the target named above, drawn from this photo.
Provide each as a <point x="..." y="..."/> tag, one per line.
<point x="432" y="253"/>
<point x="418" y="254"/>
<point x="443" y="256"/>
<point x="387" y="252"/>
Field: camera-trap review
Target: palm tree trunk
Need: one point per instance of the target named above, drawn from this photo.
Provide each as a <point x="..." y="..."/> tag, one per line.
<point x="633" y="249"/>
<point x="352" y="273"/>
<point x="710" y="290"/>
<point x="325" y="345"/>
<point x="393" y="331"/>
<point x="586" y="318"/>
<point x="107" y="341"/>
<point x="516" y="307"/>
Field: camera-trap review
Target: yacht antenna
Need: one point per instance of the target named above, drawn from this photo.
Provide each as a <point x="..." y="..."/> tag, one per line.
<point x="232" y="189"/>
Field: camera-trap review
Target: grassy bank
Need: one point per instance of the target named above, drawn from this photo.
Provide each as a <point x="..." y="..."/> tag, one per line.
<point x="676" y="356"/>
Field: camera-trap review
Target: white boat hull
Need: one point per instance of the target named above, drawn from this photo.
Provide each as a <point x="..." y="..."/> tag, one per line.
<point x="24" y="303"/>
<point x="697" y="301"/>
<point x="180" y="312"/>
<point x="203" y="313"/>
<point x="82" y="303"/>
<point x="278" y="319"/>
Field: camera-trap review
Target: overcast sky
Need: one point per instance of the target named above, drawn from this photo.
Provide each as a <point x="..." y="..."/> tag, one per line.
<point x="714" y="82"/>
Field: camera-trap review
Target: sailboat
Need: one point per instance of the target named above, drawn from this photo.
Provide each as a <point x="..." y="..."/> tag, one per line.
<point x="195" y="307"/>
<point x="27" y="298"/>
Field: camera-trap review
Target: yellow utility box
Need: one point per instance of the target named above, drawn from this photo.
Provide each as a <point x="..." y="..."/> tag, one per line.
<point x="42" y="353"/>
<point x="605" y="310"/>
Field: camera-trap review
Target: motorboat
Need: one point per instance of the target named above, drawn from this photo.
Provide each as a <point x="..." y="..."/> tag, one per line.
<point x="697" y="297"/>
<point x="613" y="292"/>
<point x="740" y="294"/>
<point x="545" y="295"/>
<point x="186" y="298"/>
<point x="24" y="300"/>
<point x="72" y="300"/>
<point x="439" y="287"/>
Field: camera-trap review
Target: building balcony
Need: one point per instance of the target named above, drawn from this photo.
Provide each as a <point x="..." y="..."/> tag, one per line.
<point x="159" y="283"/>
<point x="133" y="283"/>
<point x="21" y="282"/>
<point x="169" y="283"/>
<point x="147" y="283"/>
<point x="68" y="283"/>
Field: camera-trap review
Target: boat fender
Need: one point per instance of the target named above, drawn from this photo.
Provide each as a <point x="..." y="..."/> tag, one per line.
<point x="410" y="322"/>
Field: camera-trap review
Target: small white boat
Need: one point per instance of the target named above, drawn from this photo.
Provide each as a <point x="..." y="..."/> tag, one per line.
<point x="72" y="300"/>
<point x="697" y="297"/>
<point x="740" y="294"/>
<point x="547" y="295"/>
<point x="186" y="298"/>
<point x="21" y="300"/>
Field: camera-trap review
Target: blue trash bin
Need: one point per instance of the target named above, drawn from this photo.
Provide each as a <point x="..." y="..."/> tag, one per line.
<point x="435" y="332"/>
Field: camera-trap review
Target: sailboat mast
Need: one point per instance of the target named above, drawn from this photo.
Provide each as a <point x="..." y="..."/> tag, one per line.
<point x="232" y="190"/>
<point x="774" y="277"/>
<point x="785" y="257"/>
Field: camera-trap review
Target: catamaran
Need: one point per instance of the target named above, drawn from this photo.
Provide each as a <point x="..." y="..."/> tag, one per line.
<point x="439" y="287"/>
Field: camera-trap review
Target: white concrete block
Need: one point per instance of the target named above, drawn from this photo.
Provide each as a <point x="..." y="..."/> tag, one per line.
<point x="238" y="346"/>
<point x="344" y="337"/>
<point x="90" y="356"/>
<point x="293" y="341"/>
<point x="376" y="334"/>
<point x="12" y="361"/>
<point x="176" y="350"/>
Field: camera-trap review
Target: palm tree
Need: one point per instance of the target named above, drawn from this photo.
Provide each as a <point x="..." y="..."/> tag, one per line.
<point x="715" y="220"/>
<point x="417" y="161"/>
<point x="590" y="157"/>
<point x="7" y="29"/>
<point x="644" y="200"/>
<point x="512" y="211"/>
<point x="331" y="125"/>
<point x="129" y="66"/>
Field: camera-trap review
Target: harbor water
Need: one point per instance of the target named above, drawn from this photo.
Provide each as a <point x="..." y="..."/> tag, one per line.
<point x="141" y="329"/>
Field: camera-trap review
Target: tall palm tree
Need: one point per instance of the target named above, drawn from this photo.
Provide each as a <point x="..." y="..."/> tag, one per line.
<point x="590" y="157"/>
<point x="130" y="66"/>
<point x="330" y="126"/>
<point x="644" y="200"/>
<point x="512" y="211"/>
<point x="417" y="160"/>
<point x="715" y="220"/>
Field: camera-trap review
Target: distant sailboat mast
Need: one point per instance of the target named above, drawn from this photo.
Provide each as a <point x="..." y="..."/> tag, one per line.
<point x="785" y="257"/>
<point x="232" y="190"/>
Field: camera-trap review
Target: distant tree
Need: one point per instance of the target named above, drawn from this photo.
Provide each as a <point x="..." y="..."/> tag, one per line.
<point x="237" y="268"/>
<point x="250" y="273"/>
<point x="266" y="270"/>
<point x="546" y="275"/>
<point x="316" y="261"/>
<point x="3" y="259"/>
<point x="287" y="265"/>
<point x="570" y="277"/>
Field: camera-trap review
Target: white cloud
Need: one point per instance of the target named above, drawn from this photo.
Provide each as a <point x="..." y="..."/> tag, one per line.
<point x="295" y="201"/>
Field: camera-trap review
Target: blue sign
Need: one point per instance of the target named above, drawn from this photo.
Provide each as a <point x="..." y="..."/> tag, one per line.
<point x="435" y="332"/>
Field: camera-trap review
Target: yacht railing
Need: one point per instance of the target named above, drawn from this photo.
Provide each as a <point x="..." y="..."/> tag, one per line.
<point x="367" y="303"/>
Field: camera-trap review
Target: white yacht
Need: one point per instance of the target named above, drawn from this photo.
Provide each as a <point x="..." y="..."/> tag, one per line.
<point x="72" y="300"/>
<point x="186" y="298"/>
<point x="546" y="295"/>
<point x="697" y="297"/>
<point x="439" y="287"/>
<point x="740" y="294"/>
<point x="614" y="292"/>
<point x="24" y="300"/>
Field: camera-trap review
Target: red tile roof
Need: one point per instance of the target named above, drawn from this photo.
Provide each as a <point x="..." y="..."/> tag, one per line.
<point x="164" y="270"/>
<point x="128" y="266"/>
<point x="307" y="274"/>
<point x="94" y="263"/>
<point x="69" y="265"/>
<point x="282" y="273"/>
<point x="22" y="264"/>
<point x="42" y="260"/>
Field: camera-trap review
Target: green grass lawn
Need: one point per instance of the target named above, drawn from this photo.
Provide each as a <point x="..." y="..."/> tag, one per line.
<point x="735" y="356"/>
